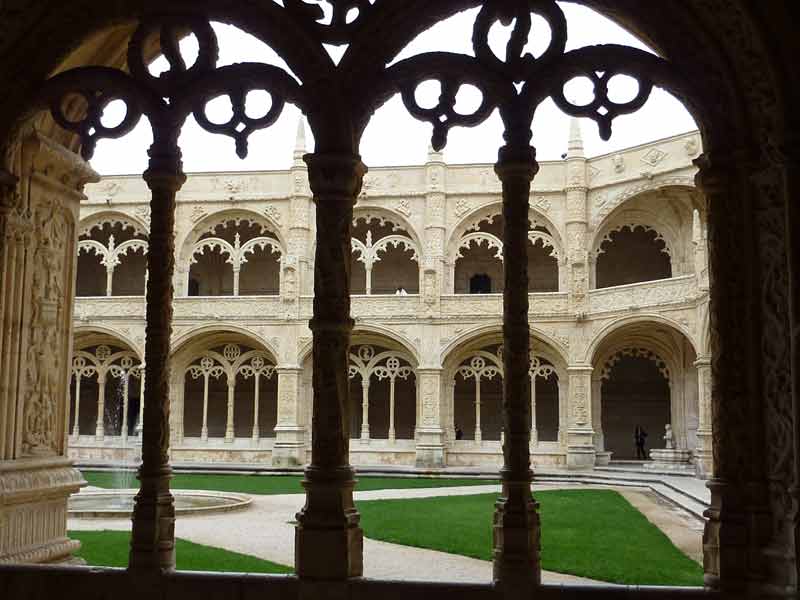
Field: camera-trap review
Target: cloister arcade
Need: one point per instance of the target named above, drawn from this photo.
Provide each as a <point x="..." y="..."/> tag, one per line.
<point x="736" y="306"/>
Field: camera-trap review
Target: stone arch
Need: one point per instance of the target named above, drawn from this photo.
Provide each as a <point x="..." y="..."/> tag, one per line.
<point x="647" y="319"/>
<point x="470" y="221"/>
<point x="111" y="255"/>
<point x="98" y="333"/>
<point x="543" y="342"/>
<point x="105" y="385"/>
<point x="386" y="253"/>
<point x="217" y="402"/>
<point x="618" y="202"/>
<point x="112" y="216"/>
<point x="221" y="217"/>
<point x="644" y="373"/>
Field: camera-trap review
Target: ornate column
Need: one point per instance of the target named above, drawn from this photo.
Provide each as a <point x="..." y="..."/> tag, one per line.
<point x="328" y="540"/>
<point x="738" y="520"/>
<point x="432" y="263"/>
<point x="296" y="265"/>
<point x="580" y="436"/>
<point x="703" y="453"/>
<point x="597" y="413"/>
<point x="365" y="408"/>
<point x="576" y="187"/>
<point x="99" y="430"/>
<point x="289" y="447"/>
<point x="517" y="566"/>
<point x="38" y="236"/>
<point x="153" y="533"/>
<point x="229" y="431"/>
<point x="430" y="436"/>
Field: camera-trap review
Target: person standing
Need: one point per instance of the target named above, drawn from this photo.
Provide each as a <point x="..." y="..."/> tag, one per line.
<point x="640" y="438"/>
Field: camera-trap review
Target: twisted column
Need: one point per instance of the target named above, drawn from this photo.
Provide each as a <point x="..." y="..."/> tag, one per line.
<point x="328" y="540"/>
<point x="153" y="533"/>
<point x="517" y="566"/>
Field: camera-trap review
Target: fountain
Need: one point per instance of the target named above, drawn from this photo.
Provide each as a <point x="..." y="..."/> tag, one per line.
<point x="118" y="502"/>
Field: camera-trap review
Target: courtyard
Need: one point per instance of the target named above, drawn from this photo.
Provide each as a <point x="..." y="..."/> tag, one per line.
<point x="427" y="529"/>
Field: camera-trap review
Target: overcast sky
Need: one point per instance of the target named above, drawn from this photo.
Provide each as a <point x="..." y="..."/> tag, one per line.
<point x="393" y="137"/>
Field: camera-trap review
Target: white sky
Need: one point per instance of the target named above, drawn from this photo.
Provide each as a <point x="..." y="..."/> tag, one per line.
<point x="393" y="137"/>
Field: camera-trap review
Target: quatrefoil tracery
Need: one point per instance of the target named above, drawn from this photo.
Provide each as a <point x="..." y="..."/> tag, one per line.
<point x="78" y="98"/>
<point x="167" y="98"/>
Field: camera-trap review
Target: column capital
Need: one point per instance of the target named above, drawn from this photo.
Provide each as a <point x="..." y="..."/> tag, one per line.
<point x="516" y="160"/>
<point x="702" y="361"/>
<point x="335" y="175"/>
<point x="428" y="370"/>
<point x="580" y="368"/>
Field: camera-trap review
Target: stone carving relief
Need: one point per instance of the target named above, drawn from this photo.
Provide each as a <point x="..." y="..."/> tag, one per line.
<point x="44" y="364"/>
<point x="274" y="213"/>
<point x="404" y="207"/>
<point x="619" y="163"/>
<point x="653" y="156"/>
<point x="462" y="207"/>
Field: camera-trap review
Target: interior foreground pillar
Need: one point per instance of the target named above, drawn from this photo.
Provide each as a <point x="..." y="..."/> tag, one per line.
<point x="328" y="539"/>
<point x="517" y="566"/>
<point x="153" y="531"/>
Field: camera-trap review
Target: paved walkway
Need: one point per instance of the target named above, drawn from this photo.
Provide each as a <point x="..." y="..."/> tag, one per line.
<point x="266" y="530"/>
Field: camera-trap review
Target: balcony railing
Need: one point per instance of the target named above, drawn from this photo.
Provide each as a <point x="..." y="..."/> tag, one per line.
<point x="648" y="294"/>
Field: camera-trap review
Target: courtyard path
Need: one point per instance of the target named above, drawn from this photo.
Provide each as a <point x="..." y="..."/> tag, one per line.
<point x="266" y="530"/>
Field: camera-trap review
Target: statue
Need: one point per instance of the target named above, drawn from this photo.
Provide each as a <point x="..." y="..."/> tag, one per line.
<point x="669" y="438"/>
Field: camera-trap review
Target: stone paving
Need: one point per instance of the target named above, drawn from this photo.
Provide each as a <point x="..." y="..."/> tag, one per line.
<point x="266" y="530"/>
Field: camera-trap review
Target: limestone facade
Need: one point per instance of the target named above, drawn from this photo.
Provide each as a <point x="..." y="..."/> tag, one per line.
<point x="618" y="310"/>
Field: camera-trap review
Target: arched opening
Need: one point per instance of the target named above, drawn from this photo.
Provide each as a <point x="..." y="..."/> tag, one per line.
<point x="235" y="257"/>
<point x="479" y="258"/>
<point x="632" y="254"/>
<point x="112" y="259"/>
<point x="229" y="391"/>
<point x="384" y="257"/>
<point x="635" y="395"/>
<point x="382" y="393"/>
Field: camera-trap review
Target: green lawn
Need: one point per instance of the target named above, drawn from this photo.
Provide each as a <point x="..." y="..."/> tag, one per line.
<point x="590" y="533"/>
<point x="278" y="484"/>
<point x="110" y="549"/>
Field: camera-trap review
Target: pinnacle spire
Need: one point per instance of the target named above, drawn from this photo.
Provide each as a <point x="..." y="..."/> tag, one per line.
<point x="300" y="139"/>
<point x="575" y="143"/>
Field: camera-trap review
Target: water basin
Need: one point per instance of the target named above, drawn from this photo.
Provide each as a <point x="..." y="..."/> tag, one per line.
<point x="119" y="503"/>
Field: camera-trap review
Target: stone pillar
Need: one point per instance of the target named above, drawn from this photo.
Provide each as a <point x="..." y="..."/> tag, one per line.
<point x="517" y="564"/>
<point x="153" y="532"/>
<point x="738" y="520"/>
<point x="704" y="453"/>
<point x="534" y="430"/>
<point x="365" y="408"/>
<point x="204" y="427"/>
<point x="478" y="433"/>
<point x="229" y="430"/>
<point x="391" y="409"/>
<point x="99" y="430"/>
<point x="76" y="430"/>
<point x="140" y="424"/>
<point x="580" y="436"/>
<point x="597" y="413"/>
<point x="256" y="393"/>
<point x="289" y="447"/>
<point x="296" y="276"/>
<point x="328" y="539"/>
<point x="38" y="236"/>
<point x="430" y="435"/>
